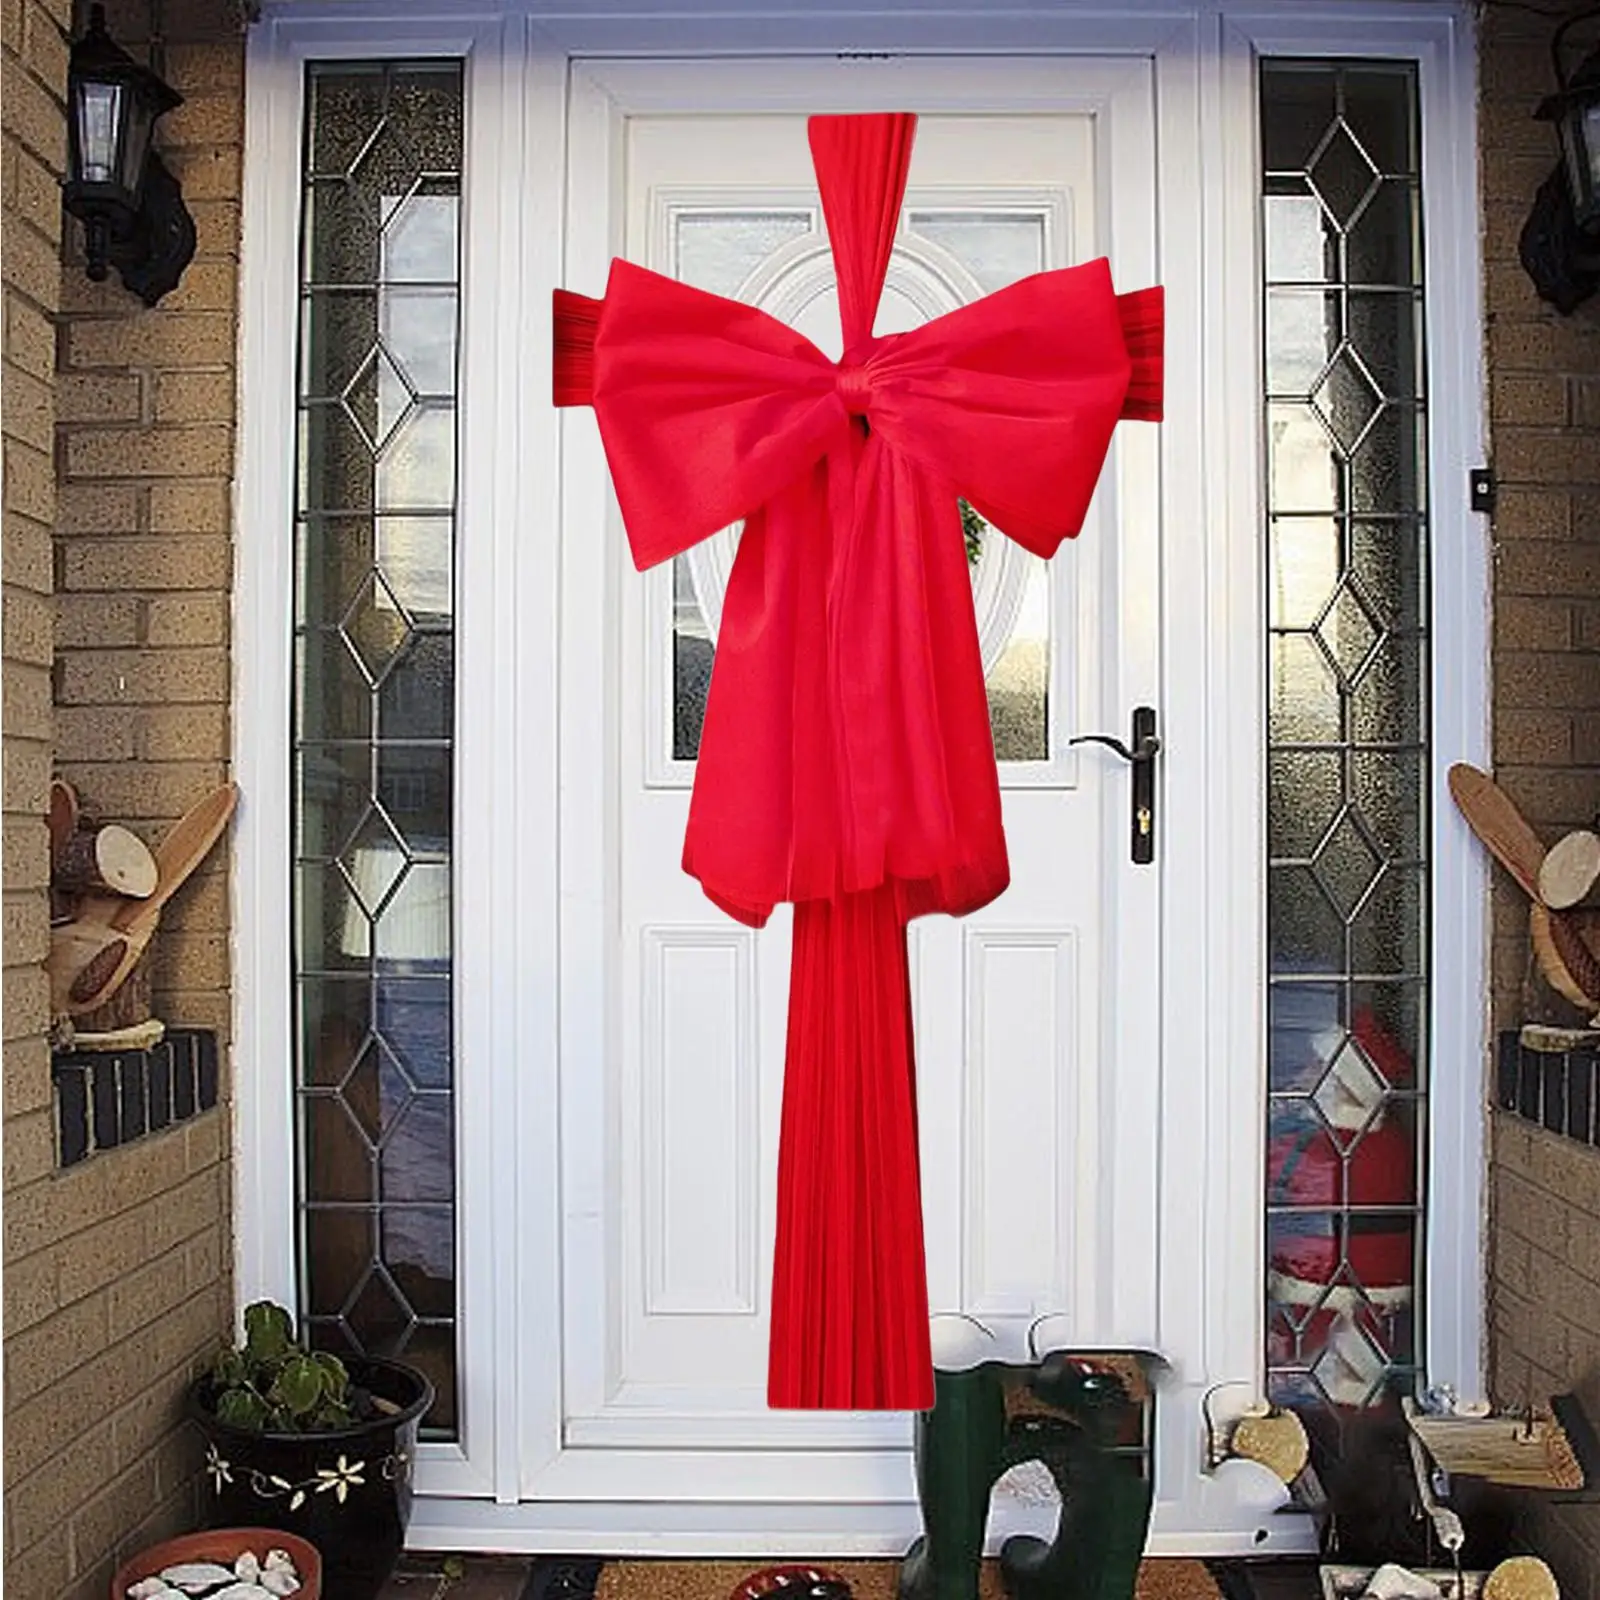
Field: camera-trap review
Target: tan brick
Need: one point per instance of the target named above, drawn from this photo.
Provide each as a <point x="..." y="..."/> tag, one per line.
<point x="194" y="396"/>
<point x="40" y="1567"/>
<point x="36" y="193"/>
<point x="30" y="1291"/>
<point x="1542" y="681"/>
<point x="1586" y="739"/>
<point x="215" y="67"/>
<point x="99" y="397"/>
<point x="95" y="733"/>
<point x="187" y="619"/>
<point x="184" y="733"/>
<point x="120" y="1504"/>
<point x="102" y="1252"/>
<point x="216" y="224"/>
<point x="27" y="929"/>
<point x="202" y="506"/>
<point x="29" y="409"/>
<point x="29" y="554"/>
<point x="64" y="1483"/>
<point x="27" y="853"/>
<point x="142" y="677"/>
<point x="27" y="1002"/>
<point x="98" y="507"/>
<point x="1543" y="568"/>
<point x="148" y="564"/>
<point x="211" y="284"/>
<point x="1532" y="455"/>
<point x="27" y="775"/>
<point x="1529" y="1212"/>
<point x="197" y="1008"/>
<point x="204" y="119"/>
<point x="140" y="792"/>
<point x="27" y="1080"/>
<point x="37" y="1358"/>
<point x="140" y="1295"/>
<point x="86" y="1195"/>
<point x="202" y="905"/>
<point x="1553" y="796"/>
<point x="156" y="338"/>
<point x="26" y="698"/>
<point x="35" y="116"/>
<point x="44" y="49"/>
<point x="30" y="1147"/>
<point x="32" y="263"/>
<point x="196" y="452"/>
<point x="97" y="621"/>
<point x="28" y="628"/>
<point x="191" y="960"/>
<point x="208" y="172"/>
<point x="30" y="481"/>
<point x="206" y="1256"/>
<point x="30" y="337"/>
<point x="11" y="26"/>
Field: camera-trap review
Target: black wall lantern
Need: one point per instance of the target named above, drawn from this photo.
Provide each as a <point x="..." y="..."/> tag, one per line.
<point x="1560" y="244"/>
<point x="130" y="205"/>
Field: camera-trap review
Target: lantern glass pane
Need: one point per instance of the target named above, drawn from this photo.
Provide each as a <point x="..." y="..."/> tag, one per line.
<point x="100" y="107"/>
<point x="136" y="129"/>
<point x="1589" y="124"/>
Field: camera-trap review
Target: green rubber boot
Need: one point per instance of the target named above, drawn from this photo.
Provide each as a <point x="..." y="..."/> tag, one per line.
<point x="957" y="1451"/>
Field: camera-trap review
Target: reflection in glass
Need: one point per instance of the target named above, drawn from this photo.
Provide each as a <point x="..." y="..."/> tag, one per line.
<point x="1347" y="729"/>
<point x="374" y="709"/>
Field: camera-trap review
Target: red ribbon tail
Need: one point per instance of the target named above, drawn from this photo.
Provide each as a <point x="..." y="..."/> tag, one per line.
<point x="850" y="1285"/>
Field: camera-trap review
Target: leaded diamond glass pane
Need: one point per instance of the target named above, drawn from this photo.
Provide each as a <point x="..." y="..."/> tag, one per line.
<point x="374" y="709"/>
<point x="1347" y="730"/>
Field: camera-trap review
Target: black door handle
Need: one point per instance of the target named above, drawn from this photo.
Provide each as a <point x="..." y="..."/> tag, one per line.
<point x="1141" y="756"/>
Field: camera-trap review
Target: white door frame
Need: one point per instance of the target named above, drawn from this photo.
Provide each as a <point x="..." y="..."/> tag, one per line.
<point x="517" y="59"/>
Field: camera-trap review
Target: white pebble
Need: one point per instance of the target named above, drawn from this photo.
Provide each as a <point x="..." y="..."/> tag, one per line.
<point x="278" y="1559"/>
<point x="281" y="1580"/>
<point x="247" y="1568"/>
<point x="241" y="1591"/>
<point x="148" y="1589"/>
<point x="196" y="1577"/>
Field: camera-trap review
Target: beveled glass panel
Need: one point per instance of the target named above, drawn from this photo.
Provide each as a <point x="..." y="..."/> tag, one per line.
<point x="1303" y="331"/>
<point x="719" y="249"/>
<point x="1301" y="242"/>
<point x="335" y="1021"/>
<point x="419" y="1246"/>
<point x="418" y="1161"/>
<point x="1306" y="932"/>
<point x="1303" y="795"/>
<point x="996" y="247"/>
<point x="1019" y="682"/>
<point x="1295" y="117"/>
<point x="1305" y="469"/>
<point x="374" y="704"/>
<point x="339" y="1159"/>
<point x="1304" y="704"/>
<point x="340" y="1246"/>
<point x="1346" y="824"/>
<point x="417" y="470"/>
<point x="1306" y="560"/>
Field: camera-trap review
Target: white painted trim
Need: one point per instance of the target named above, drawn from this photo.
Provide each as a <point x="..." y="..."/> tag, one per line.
<point x="1206" y="138"/>
<point x="486" y="1103"/>
<point x="1441" y="40"/>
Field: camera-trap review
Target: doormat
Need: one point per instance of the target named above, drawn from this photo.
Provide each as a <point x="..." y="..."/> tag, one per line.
<point x="1164" y="1578"/>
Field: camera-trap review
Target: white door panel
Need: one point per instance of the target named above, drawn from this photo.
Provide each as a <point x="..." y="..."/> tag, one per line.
<point x="1030" y="1027"/>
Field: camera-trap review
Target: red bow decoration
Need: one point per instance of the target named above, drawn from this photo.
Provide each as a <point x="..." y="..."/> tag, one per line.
<point x="846" y="762"/>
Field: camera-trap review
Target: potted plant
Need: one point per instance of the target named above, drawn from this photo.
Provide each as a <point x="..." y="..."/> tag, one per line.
<point x="298" y="1566"/>
<point x="313" y="1444"/>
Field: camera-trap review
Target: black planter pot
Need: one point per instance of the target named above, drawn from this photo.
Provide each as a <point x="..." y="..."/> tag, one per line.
<point x="348" y="1492"/>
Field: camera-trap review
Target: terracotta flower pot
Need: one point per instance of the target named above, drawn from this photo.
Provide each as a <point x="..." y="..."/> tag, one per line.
<point x="224" y="1545"/>
<point x="348" y="1491"/>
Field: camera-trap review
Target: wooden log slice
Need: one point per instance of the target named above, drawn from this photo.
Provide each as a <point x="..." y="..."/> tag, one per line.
<point x="1491" y="814"/>
<point x="63" y="818"/>
<point x="128" y="1006"/>
<point x="109" y="859"/>
<point x="1570" y="869"/>
<point x="1564" y="945"/>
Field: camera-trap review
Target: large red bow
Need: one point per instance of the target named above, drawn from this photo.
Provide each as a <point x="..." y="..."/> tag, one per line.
<point x="846" y="762"/>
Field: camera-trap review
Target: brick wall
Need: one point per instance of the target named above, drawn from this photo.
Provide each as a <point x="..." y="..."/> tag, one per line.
<point x="117" y="1272"/>
<point x="1544" y="415"/>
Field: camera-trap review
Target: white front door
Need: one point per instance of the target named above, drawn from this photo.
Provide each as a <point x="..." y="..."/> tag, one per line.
<point x="1036" y="1020"/>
